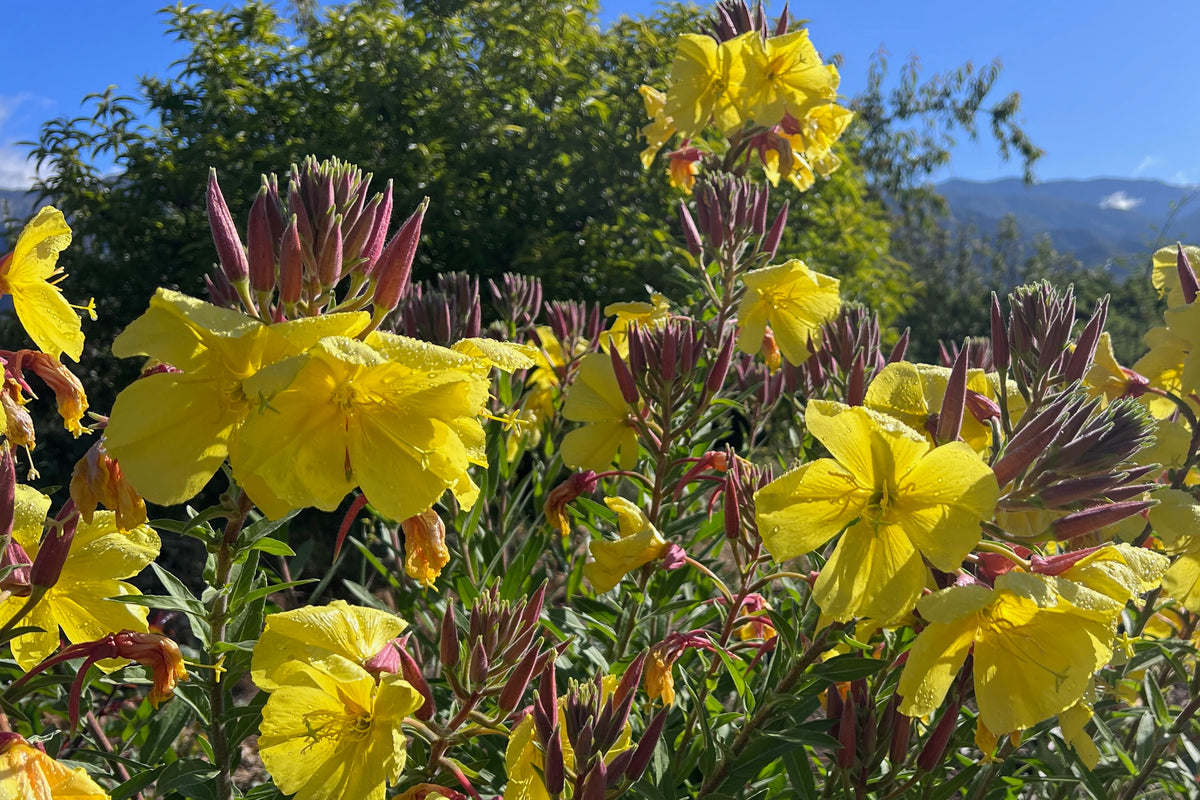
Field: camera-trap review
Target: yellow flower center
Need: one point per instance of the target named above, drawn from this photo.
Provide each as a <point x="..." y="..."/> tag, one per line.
<point x="879" y="505"/>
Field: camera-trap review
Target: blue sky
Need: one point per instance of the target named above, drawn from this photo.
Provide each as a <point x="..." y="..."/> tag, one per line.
<point x="1108" y="87"/>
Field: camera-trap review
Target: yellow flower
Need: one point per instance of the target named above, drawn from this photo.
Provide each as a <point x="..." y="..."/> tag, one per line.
<point x="912" y="393"/>
<point x="1036" y="642"/>
<point x="684" y="167"/>
<point x="703" y="75"/>
<point x="329" y="731"/>
<point x="648" y="316"/>
<point x="171" y="431"/>
<point x="29" y="274"/>
<point x="27" y="773"/>
<point x="661" y="127"/>
<point x="312" y="633"/>
<point x="595" y="398"/>
<point x="397" y="417"/>
<point x="640" y="543"/>
<point x="1176" y="521"/>
<point x="1072" y="721"/>
<point x="1163" y="367"/>
<point x="1164" y="274"/>
<point x="1119" y="571"/>
<point x="793" y="300"/>
<point x="893" y="499"/>
<point x="783" y="74"/>
<point x="81" y="601"/>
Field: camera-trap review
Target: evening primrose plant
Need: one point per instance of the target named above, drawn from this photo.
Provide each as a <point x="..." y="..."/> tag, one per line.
<point x="453" y="540"/>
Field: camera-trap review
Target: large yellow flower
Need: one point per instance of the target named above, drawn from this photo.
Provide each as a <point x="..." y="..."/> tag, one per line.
<point x="783" y="74"/>
<point x="793" y="300"/>
<point x="311" y="633"/>
<point x="27" y="275"/>
<point x="893" y="498"/>
<point x="397" y="417"/>
<point x="640" y="543"/>
<point x="912" y="393"/>
<point x="329" y="731"/>
<point x="27" y="773"/>
<point x="171" y="431"/>
<point x="704" y="76"/>
<point x="1036" y="643"/>
<point x="595" y="398"/>
<point x="85" y="601"/>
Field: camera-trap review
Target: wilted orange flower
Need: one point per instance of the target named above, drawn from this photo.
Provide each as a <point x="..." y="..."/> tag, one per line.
<point x="425" y="552"/>
<point x="97" y="480"/>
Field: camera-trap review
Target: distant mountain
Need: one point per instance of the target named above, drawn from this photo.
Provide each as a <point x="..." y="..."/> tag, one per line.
<point x="1103" y="222"/>
<point x="16" y="203"/>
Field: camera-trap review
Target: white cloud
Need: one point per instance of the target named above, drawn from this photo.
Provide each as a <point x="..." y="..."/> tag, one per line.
<point x="1147" y="163"/>
<point x="1119" y="201"/>
<point x="16" y="171"/>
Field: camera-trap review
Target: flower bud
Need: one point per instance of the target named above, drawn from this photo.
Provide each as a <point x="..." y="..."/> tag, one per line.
<point x="759" y="222"/>
<point x="14" y="570"/>
<point x="554" y="771"/>
<point x="856" y="386"/>
<point x="901" y="347"/>
<point x="624" y="377"/>
<point x="691" y="235"/>
<point x="720" y="365"/>
<point x="847" y="733"/>
<point x="394" y="267"/>
<point x="1085" y="347"/>
<point x="645" y="747"/>
<point x="477" y="668"/>
<point x="8" y="495"/>
<point x="448" y="638"/>
<point x="52" y="553"/>
<point x="411" y="672"/>
<point x="518" y="681"/>
<point x="982" y="407"/>
<point x="260" y="242"/>
<point x="230" y="252"/>
<point x="1000" y="354"/>
<point x="329" y="261"/>
<point x="770" y="244"/>
<point x="1093" y="519"/>
<point x="951" y="414"/>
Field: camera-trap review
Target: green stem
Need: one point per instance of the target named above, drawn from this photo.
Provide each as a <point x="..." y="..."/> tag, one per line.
<point x="218" y="618"/>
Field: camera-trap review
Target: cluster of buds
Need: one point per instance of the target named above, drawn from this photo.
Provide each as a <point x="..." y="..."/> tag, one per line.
<point x="576" y="326"/>
<point x="978" y="353"/>
<point x="502" y="652"/>
<point x="664" y="366"/>
<point x="1075" y="457"/>
<point x="732" y="18"/>
<point x="319" y="247"/>
<point x="517" y="300"/>
<point x="731" y="216"/>
<point x="1035" y="346"/>
<point x="441" y="311"/>
<point x="845" y="357"/>
<point x="742" y="482"/>
<point x="160" y="655"/>
<point x="594" y="723"/>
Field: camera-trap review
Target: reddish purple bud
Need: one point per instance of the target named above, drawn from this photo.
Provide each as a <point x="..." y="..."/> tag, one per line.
<point x="547" y="700"/>
<point x="596" y="782"/>
<point x="261" y="243"/>
<point x="770" y="244"/>
<point x="8" y="495"/>
<point x="374" y="245"/>
<point x="645" y="747"/>
<point x="782" y="26"/>
<point x="518" y="681"/>
<point x="1085" y="348"/>
<point x="901" y="733"/>
<point x="448" y="638"/>
<point x="624" y="377"/>
<point x="674" y="557"/>
<point x="720" y="366"/>
<point x="56" y="544"/>
<point x="935" y="747"/>
<point x="554" y="773"/>
<point x="329" y="262"/>
<point x="901" y="347"/>
<point x="411" y="671"/>
<point x="716" y="226"/>
<point x="477" y="667"/>
<point x="1093" y="519"/>
<point x="291" y="265"/>
<point x="1060" y="563"/>
<point x="17" y="561"/>
<point x="395" y="263"/>
<point x="670" y="348"/>
<point x="847" y="732"/>
<point x="225" y="236"/>
<point x="951" y="415"/>
<point x="1000" y="352"/>
<point x="733" y="519"/>
<point x="1187" y="277"/>
<point x="691" y="235"/>
<point x="982" y="407"/>
<point x="856" y="389"/>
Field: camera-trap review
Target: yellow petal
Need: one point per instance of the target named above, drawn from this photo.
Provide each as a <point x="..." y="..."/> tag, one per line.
<point x="873" y="574"/>
<point x="933" y="662"/>
<point x="806" y="507"/>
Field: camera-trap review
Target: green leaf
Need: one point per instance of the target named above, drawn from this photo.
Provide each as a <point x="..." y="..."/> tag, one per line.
<point x="848" y="667"/>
